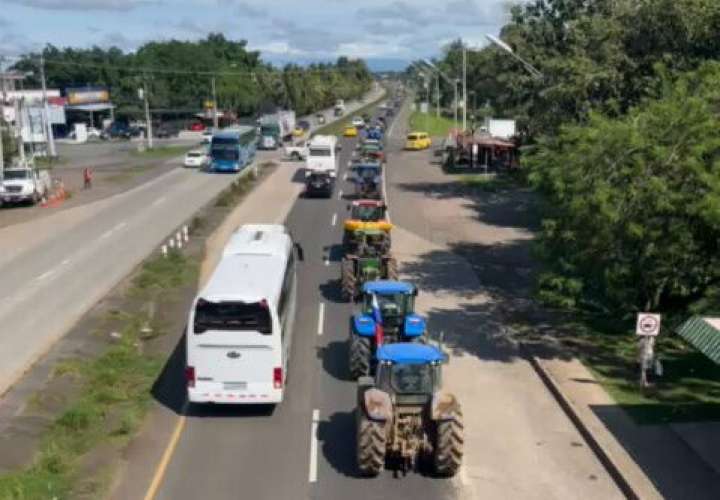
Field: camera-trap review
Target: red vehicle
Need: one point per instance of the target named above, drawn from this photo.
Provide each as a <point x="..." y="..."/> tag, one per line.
<point x="197" y="127"/>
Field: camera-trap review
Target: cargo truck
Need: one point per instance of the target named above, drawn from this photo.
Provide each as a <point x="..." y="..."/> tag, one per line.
<point x="275" y="128"/>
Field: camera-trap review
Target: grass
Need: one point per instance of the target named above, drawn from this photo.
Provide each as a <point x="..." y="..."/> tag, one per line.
<point x="163" y="152"/>
<point x="336" y="128"/>
<point x="128" y="173"/>
<point x="432" y="124"/>
<point x="114" y="398"/>
<point x="688" y="391"/>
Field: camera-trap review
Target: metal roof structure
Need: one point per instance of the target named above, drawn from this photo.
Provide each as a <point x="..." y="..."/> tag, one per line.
<point x="703" y="334"/>
<point x="409" y="353"/>
<point x="387" y="286"/>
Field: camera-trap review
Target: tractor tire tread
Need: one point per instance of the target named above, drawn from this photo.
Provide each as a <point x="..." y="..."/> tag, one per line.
<point x="371" y="446"/>
<point x="360" y="356"/>
<point x="448" y="453"/>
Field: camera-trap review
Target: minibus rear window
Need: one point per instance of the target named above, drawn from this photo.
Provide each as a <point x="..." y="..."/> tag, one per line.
<point x="412" y="138"/>
<point x="232" y="316"/>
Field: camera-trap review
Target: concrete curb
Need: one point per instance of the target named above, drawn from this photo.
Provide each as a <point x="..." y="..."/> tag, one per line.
<point x="630" y="491"/>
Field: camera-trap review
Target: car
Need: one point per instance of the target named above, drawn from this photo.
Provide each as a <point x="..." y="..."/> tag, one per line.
<point x="320" y="118"/>
<point x="207" y="136"/>
<point x="303" y="124"/>
<point x="196" y="158"/>
<point x="298" y="132"/>
<point x="350" y="131"/>
<point x="417" y="140"/>
<point x="319" y="184"/>
<point x="163" y="131"/>
<point x="358" y="122"/>
<point x="197" y="127"/>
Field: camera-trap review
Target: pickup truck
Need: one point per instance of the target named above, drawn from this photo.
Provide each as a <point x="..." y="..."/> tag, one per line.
<point x="25" y="184"/>
<point x="296" y="152"/>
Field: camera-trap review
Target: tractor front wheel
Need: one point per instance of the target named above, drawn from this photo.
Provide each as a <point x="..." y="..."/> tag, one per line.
<point x="449" y="440"/>
<point x="360" y="356"/>
<point x="348" y="279"/>
<point x="371" y="445"/>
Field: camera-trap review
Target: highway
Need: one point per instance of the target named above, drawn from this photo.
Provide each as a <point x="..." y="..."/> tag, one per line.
<point x="306" y="447"/>
<point x="56" y="267"/>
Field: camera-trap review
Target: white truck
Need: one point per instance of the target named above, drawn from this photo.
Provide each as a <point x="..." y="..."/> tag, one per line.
<point x="321" y="155"/>
<point x="25" y="184"/>
<point x="503" y="129"/>
<point x="276" y="127"/>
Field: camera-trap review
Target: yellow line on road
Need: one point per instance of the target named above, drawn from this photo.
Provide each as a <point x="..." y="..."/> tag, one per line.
<point x="166" y="457"/>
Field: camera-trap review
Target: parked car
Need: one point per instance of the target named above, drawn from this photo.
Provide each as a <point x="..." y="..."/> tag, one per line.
<point x="23" y="184"/>
<point x="196" y="158"/>
<point x="197" y="127"/>
<point x="163" y="131"/>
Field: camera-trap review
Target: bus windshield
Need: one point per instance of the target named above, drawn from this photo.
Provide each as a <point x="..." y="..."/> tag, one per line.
<point x="224" y="153"/>
<point x="232" y="316"/>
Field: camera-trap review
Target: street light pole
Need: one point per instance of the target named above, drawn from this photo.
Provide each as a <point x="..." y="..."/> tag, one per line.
<point x="437" y="95"/>
<point x="148" y="121"/>
<point x="46" y="110"/>
<point x="214" y="103"/>
<point x="464" y="92"/>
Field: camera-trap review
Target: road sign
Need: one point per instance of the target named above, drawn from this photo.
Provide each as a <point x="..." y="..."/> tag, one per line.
<point x="648" y="325"/>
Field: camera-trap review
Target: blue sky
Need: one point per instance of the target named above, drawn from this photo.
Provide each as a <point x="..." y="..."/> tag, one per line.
<point x="283" y="30"/>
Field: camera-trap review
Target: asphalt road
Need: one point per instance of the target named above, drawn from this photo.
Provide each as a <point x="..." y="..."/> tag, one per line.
<point x="55" y="268"/>
<point x="227" y="452"/>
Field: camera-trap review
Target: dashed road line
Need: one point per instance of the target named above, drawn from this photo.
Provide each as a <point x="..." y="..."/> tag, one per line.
<point x="109" y="232"/>
<point x="334" y="219"/>
<point x="321" y="318"/>
<point x="312" y="475"/>
<point x="340" y="195"/>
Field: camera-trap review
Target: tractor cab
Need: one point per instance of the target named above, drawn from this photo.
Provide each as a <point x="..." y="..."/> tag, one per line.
<point x="396" y="302"/>
<point x="367" y="177"/>
<point x="410" y="372"/>
<point x="368" y="210"/>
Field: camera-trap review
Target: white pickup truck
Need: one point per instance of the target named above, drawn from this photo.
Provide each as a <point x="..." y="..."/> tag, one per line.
<point x="25" y="184"/>
<point x="321" y="155"/>
<point x="296" y="152"/>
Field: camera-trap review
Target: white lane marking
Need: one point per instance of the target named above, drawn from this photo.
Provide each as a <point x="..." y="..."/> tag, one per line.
<point x="65" y="262"/>
<point x="340" y="195"/>
<point x="158" y="201"/>
<point x="109" y="232"/>
<point x="334" y="219"/>
<point x="312" y="476"/>
<point x="327" y="262"/>
<point x="349" y="162"/>
<point x="45" y="275"/>
<point x="321" y="318"/>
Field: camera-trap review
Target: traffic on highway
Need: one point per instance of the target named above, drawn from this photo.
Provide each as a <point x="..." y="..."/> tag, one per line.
<point x="393" y="250"/>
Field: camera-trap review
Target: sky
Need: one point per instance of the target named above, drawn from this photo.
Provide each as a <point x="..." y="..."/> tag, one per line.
<point x="387" y="33"/>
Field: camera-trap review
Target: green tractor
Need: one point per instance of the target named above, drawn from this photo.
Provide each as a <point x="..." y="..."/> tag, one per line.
<point x="367" y="258"/>
<point x="403" y="416"/>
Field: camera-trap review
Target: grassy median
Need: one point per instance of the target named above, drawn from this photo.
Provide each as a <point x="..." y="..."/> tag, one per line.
<point x="163" y="152"/>
<point x="436" y="126"/>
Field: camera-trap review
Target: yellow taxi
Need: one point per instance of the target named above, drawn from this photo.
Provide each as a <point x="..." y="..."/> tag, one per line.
<point x="297" y="132"/>
<point x="417" y="141"/>
<point x="350" y="131"/>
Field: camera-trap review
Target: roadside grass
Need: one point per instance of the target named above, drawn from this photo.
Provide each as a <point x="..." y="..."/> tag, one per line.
<point x="430" y="123"/>
<point x="237" y="190"/>
<point x="128" y="173"/>
<point x="114" y="398"/>
<point x="336" y="128"/>
<point x="45" y="163"/>
<point x="688" y="390"/>
<point x="163" y="152"/>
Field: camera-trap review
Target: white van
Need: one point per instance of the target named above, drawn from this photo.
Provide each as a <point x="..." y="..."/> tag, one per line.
<point x="241" y="324"/>
<point x="321" y="155"/>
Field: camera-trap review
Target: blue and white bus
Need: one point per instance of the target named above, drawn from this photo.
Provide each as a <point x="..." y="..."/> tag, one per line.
<point x="232" y="149"/>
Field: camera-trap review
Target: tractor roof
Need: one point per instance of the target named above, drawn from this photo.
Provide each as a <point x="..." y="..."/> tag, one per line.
<point x="406" y="353"/>
<point x="368" y="203"/>
<point x="387" y="286"/>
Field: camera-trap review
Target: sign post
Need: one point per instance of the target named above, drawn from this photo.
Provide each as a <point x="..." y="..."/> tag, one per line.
<point x="647" y="329"/>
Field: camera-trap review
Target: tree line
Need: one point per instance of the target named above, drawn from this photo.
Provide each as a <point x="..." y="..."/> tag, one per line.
<point x="178" y="76"/>
<point x="621" y="135"/>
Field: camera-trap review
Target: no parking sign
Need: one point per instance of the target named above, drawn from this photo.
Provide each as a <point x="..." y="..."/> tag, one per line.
<point x="648" y="325"/>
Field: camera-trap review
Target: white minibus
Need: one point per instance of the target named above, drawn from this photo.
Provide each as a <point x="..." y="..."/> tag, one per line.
<point x="240" y="325"/>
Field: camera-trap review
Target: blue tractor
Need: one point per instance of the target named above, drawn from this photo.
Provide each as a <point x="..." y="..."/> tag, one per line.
<point x="404" y="417"/>
<point x="387" y="310"/>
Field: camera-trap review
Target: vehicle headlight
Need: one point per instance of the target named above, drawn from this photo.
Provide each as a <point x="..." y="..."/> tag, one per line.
<point x="27" y="188"/>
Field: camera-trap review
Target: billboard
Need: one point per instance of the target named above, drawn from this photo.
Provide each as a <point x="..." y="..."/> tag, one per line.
<point x="87" y="95"/>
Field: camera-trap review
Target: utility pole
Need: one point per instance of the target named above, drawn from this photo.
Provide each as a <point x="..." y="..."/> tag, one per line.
<point x="214" y="103"/>
<point x="46" y="111"/>
<point x="437" y="95"/>
<point x="2" y="151"/>
<point x="455" y="103"/>
<point x="464" y="92"/>
<point x="18" y="104"/>
<point x="148" y="121"/>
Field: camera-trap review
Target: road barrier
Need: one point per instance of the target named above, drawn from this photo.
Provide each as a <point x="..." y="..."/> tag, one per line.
<point x="56" y="197"/>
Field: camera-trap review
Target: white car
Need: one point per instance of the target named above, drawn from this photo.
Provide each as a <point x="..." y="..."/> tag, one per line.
<point x="25" y="184"/>
<point x="358" y="122"/>
<point x="196" y="158"/>
<point x="207" y="136"/>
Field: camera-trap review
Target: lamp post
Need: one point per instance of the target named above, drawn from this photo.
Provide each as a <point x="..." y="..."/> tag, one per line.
<point x="454" y="82"/>
<point x="508" y="50"/>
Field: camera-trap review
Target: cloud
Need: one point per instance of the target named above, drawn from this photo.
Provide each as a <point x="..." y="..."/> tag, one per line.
<point x="394" y="11"/>
<point x="187" y="25"/>
<point x="306" y="40"/>
<point x="251" y="11"/>
<point x="84" y="4"/>
<point x="117" y="39"/>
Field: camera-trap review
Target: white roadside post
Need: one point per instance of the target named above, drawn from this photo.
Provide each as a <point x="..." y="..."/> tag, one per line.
<point x="647" y="329"/>
<point x="186" y="233"/>
<point x="164" y="250"/>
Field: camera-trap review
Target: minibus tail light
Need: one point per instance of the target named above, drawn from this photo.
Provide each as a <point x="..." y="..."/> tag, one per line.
<point x="190" y="376"/>
<point x="277" y="378"/>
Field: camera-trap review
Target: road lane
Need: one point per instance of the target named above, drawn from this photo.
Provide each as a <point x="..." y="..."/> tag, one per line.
<point x="100" y="244"/>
